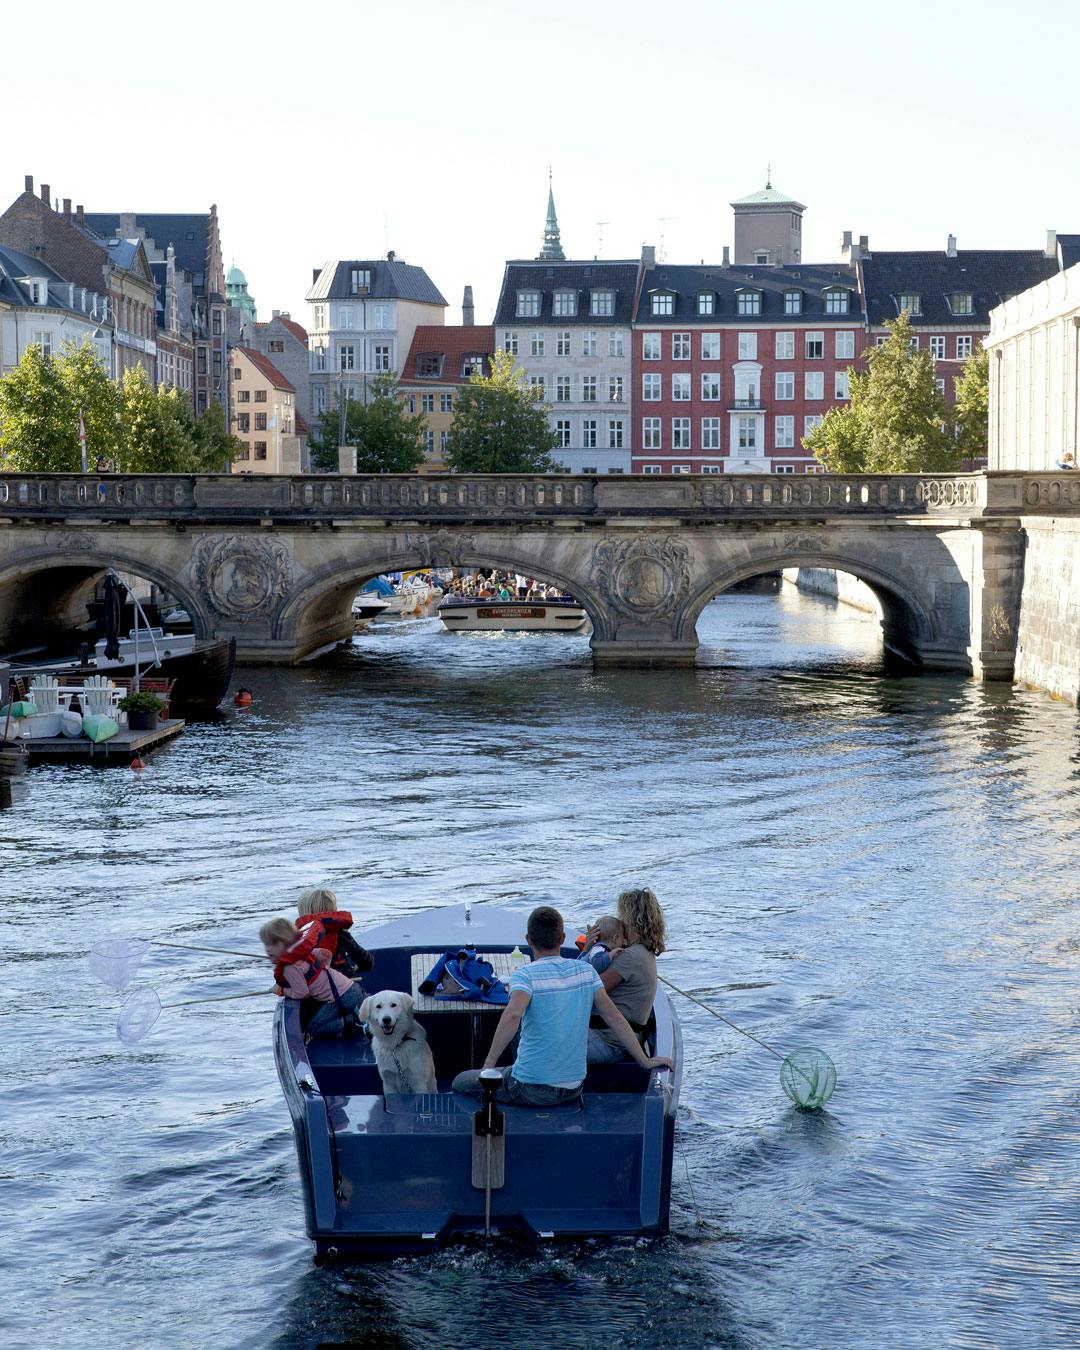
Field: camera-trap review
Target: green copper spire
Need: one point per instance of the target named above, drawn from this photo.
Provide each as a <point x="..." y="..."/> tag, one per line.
<point x="552" y="250"/>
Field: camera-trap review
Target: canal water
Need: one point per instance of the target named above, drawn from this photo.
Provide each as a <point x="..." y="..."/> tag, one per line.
<point x="878" y="864"/>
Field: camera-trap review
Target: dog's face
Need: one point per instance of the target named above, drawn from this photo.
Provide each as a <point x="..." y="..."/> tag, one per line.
<point x="385" y="1013"/>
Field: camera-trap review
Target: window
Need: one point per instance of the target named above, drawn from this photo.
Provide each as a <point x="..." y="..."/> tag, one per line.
<point x="562" y="432"/>
<point x="243" y="396"/>
<point x="748" y="433"/>
<point x="651" y="388"/>
<point x="428" y="365"/>
<point x="785" y="347"/>
<point x="382" y="356"/>
<point x="243" y="422"/>
<point x="588" y="344"/>
<point x="663" y="302"/>
<point x="785" y="468"/>
<point x="680" y="468"/>
<point x="215" y="323"/>
<point x="706" y="302"/>
<point x="260" y="421"/>
<point x="319" y="315"/>
<point x="318" y="358"/>
<point x="963" y="347"/>
<point x="562" y="344"/>
<point x="615" y="344"/>
<point x="563" y="389"/>
<point x="710" y="386"/>
<point x="881" y="340"/>
<point x="680" y="388"/>
<point x="472" y="365"/>
<point x="429" y="443"/>
<point x="793" y="302"/>
<point x="912" y="303"/>
<point x="345" y="316"/>
<point x="539" y="382"/>
<point x="962" y="303"/>
<point x="244" y="452"/>
<point x="588" y="388"/>
<point x="710" y="433"/>
<point x="43" y="341"/>
<point x="810" y="422"/>
<point x="427" y="403"/>
<point x="937" y="348"/>
<point x="346" y="358"/>
<point x="841" y="385"/>
<point x="710" y="346"/>
<point x="650" y="434"/>
<point x="260" y="395"/>
<point x="680" y="433"/>
<point x="410" y="403"/>
<point x="815" y="346"/>
<point x="588" y="468"/>
<point x="536" y="344"/>
<point x="528" y="304"/>
<point x="588" y="433"/>
<point x="836" y="300"/>
<point x="380" y="316"/>
<point x="446" y="402"/>
<point x="747" y="346"/>
<point x="318" y="398"/>
<point x="444" y="441"/>
<point x="749" y="302"/>
<point x="814" y="384"/>
<point x="710" y="468"/>
<point x="785" y="384"/>
<point x="784" y="433"/>
<point x="650" y="346"/>
<point x="565" y="304"/>
<point x="680" y="346"/>
<point x="277" y="346"/>
<point x="844" y="344"/>
<point x="615" y="389"/>
<point x="940" y="387"/>
<point x="200" y="360"/>
<point x="615" y="433"/>
<point x="650" y="468"/>
<point x="260" y="449"/>
<point x="359" y="279"/>
<point x="510" y="344"/>
<point x="913" y="344"/>
<point x="602" y="303"/>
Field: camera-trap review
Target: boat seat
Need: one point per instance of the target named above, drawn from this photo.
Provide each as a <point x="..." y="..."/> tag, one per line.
<point x="622" y="1076"/>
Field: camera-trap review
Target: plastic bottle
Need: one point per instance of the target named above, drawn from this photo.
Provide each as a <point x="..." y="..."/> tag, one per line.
<point x="517" y="959"/>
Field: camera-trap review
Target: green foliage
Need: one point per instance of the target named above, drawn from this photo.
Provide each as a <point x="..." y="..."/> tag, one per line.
<point x="156" y="426"/>
<point x="141" y="702"/>
<point x="90" y="391"/>
<point x="973" y="404"/>
<point x="327" y="434"/>
<point x="40" y="403"/>
<point x="498" y="426"/>
<point x="388" y="438"/>
<point x="213" y="446"/>
<point x="896" y="420"/>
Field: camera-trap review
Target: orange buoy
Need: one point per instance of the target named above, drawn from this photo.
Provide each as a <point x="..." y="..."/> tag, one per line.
<point x="243" y="698"/>
<point x="137" y="764"/>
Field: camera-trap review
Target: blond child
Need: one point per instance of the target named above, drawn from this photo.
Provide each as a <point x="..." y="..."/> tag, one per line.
<point x="310" y="976"/>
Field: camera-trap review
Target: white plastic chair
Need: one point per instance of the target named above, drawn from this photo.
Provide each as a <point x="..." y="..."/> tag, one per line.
<point x="45" y="692"/>
<point x="100" y="695"/>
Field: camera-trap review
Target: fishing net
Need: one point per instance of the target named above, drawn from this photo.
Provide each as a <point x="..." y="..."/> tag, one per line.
<point x="138" y="1013"/>
<point x="114" y="960"/>
<point x="808" y="1076"/>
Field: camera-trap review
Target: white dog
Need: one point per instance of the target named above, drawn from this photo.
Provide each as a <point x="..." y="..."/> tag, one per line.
<point x="402" y="1055"/>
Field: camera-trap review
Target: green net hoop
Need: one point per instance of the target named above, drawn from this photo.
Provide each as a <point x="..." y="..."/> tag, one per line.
<point x="808" y="1076"/>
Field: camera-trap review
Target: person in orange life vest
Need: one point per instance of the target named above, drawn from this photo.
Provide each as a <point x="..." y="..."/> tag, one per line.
<point x="310" y="977"/>
<point x="322" y="924"/>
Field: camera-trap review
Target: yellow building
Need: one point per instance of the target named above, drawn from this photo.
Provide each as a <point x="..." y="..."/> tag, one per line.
<point x="441" y="359"/>
<point x="262" y="415"/>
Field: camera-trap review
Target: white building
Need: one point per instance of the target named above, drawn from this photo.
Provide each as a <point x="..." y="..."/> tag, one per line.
<point x="363" y="317"/>
<point x="39" y="309"/>
<point x="1034" y="346"/>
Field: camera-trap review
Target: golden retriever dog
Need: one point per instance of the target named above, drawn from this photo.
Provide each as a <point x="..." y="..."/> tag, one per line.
<point x="402" y="1054"/>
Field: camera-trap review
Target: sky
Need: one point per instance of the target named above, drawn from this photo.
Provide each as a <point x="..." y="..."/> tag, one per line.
<point x="341" y="130"/>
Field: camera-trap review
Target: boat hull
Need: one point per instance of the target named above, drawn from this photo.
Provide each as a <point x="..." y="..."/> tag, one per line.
<point x="513" y="616"/>
<point x="14" y="759"/>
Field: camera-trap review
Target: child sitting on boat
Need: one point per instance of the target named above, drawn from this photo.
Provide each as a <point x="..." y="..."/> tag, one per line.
<point x="605" y="936"/>
<point x="322" y="924"/>
<point x="310" y="977"/>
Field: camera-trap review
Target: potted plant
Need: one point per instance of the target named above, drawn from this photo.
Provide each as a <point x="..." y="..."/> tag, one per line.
<point x="143" y="711"/>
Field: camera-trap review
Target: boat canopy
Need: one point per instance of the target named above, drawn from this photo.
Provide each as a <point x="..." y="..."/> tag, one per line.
<point x="378" y="586"/>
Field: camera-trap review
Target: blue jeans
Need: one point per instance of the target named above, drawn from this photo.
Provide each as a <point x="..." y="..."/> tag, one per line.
<point x="601" y="1051"/>
<point x="512" y="1092"/>
<point x="326" y="1021"/>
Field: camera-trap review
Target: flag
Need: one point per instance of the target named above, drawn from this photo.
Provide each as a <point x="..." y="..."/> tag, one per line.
<point x="82" y="440"/>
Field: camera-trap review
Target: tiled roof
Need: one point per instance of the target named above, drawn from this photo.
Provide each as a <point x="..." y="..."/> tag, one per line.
<point x="298" y="332"/>
<point x="583" y="277"/>
<point x="438" y="352"/>
<point x="188" y="234"/>
<point x="14" y="264"/>
<point x="302" y="428"/>
<point x="266" y="368"/>
<point x="725" y="283"/>
<point x="390" y="280"/>
<point x="989" y="276"/>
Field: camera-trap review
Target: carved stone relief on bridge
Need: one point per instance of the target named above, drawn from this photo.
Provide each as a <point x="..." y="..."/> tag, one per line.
<point x="242" y="578"/>
<point x="70" y="541"/>
<point x="643" y="577"/>
<point x="441" y="548"/>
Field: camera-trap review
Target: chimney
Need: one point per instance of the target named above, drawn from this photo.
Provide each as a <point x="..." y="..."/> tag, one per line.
<point x="80" y="218"/>
<point x="648" y="255"/>
<point x="127" y="224"/>
<point x="1051" y="244"/>
<point x="46" y="195"/>
<point x="864" y="246"/>
<point x="725" y="261"/>
<point x="950" y="246"/>
<point x="67" y="208"/>
<point x="275" y="313"/>
<point x="28" y="183"/>
<point x="390" y="256"/>
<point x="468" y="310"/>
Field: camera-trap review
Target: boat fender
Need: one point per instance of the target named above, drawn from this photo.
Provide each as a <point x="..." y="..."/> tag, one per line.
<point x="137" y="764"/>
<point x="243" y="698"/>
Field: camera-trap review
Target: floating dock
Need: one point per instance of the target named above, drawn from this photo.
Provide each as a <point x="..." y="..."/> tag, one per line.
<point x="121" y="748"/>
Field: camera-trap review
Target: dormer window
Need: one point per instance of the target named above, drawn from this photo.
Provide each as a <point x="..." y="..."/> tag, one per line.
<point x="748" y="302"/>
<point x="836" y="300"/>
<point x="911" y="302"/>
<point x="428" y="365"/>
<point x="528" y="304"/>
<point x="962" y="303"/>
<point x="565" y="304"/>
<point x="663" y="303"/>
<point x="761" y="257"/>
<point x="359" y="280"/>
<point x="706" y="302"/>
<point x="472" y="365"/>
<point x="793" y="302"/>
<point x="602" y="304"/>
<point x="39" y="291"/>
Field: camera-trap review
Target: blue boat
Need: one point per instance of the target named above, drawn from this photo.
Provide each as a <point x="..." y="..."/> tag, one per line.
<point x="390" y="1175"/>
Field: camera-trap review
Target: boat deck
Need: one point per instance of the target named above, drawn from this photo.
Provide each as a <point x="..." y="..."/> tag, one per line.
<point x="124" y="745"/>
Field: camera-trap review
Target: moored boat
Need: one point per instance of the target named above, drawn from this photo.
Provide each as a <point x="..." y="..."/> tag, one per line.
<point x="473" y="615"/>
<point x="389" y="1174"/>
<point x="14" y="758"/>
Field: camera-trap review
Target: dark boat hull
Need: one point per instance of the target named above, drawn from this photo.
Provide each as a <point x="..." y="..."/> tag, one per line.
<point x="13" y="759"/>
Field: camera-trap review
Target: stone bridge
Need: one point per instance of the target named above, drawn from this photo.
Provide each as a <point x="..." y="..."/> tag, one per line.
<point x="276" y="561"/>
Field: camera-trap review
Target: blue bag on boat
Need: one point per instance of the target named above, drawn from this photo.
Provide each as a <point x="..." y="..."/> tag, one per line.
<point x="464" y="975"/>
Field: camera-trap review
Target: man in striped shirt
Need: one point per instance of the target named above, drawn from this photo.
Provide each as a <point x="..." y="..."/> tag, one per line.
<point x="551" y="1001"/>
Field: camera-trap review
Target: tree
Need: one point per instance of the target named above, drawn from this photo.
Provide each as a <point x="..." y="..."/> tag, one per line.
<point x="93" y="394"/>
<point x="37" y="434"/>
<point x="391" y="440"/>
<point x="896" y="420"/>
<point x="157" y="427"/>
<point x="328" y="433"/>
<point x="498" y="427"/>
<point x="972" y="410"/>
<point x="214" y="447"/>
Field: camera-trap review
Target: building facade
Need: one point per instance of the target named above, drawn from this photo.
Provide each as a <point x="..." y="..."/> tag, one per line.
<point x="768" y="228"/>
<point x="364" y="313"/>
<point x="284" y="342"/>
<point x="441" y="359"/>
<point x="263" y="415"/>
<point x="38" y="308"/>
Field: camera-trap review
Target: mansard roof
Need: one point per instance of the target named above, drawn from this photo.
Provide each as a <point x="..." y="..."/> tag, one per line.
<point x="188" y="232"/>
<point x="391" y="279"/>
<point x="15" y="265"/>
<point x="583" y="277"/>
<point x="438" y="351"/>
<point x="686" y="283"/>
<point x="989" y="276"/>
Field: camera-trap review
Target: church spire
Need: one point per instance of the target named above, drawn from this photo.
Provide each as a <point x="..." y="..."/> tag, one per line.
<point x="552" y="250"/>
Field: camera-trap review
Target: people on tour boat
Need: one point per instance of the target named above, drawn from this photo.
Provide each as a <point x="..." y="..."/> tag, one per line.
<point x="335" y="997"/>
<point x="322" y="924"/>
<point x="630" y="979"/>
<point x="606" y="935"/>
<point x="551" y="1000"/>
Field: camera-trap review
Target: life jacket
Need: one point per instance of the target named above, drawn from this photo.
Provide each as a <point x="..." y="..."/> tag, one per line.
<point x="462" y="974"/>
<point x="331" y="930"/>
<point x="313" y="964"/>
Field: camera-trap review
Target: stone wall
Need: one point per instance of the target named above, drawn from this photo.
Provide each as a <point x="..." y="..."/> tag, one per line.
<point x="1048" y="639"/>
<point x="840" y="586"/>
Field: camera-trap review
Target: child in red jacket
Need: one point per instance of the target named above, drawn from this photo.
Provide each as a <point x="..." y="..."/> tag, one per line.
<point x="322" y="924"/>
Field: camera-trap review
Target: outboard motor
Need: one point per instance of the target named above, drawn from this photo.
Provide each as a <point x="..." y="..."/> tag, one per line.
<point x="489" y="1144"/>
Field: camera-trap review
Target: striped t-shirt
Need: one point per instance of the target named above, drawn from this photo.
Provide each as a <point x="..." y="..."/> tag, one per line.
<point x="555" y="1026"/>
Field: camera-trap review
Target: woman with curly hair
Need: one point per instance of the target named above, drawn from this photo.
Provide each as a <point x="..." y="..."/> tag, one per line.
<point x="631" y="977"/>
